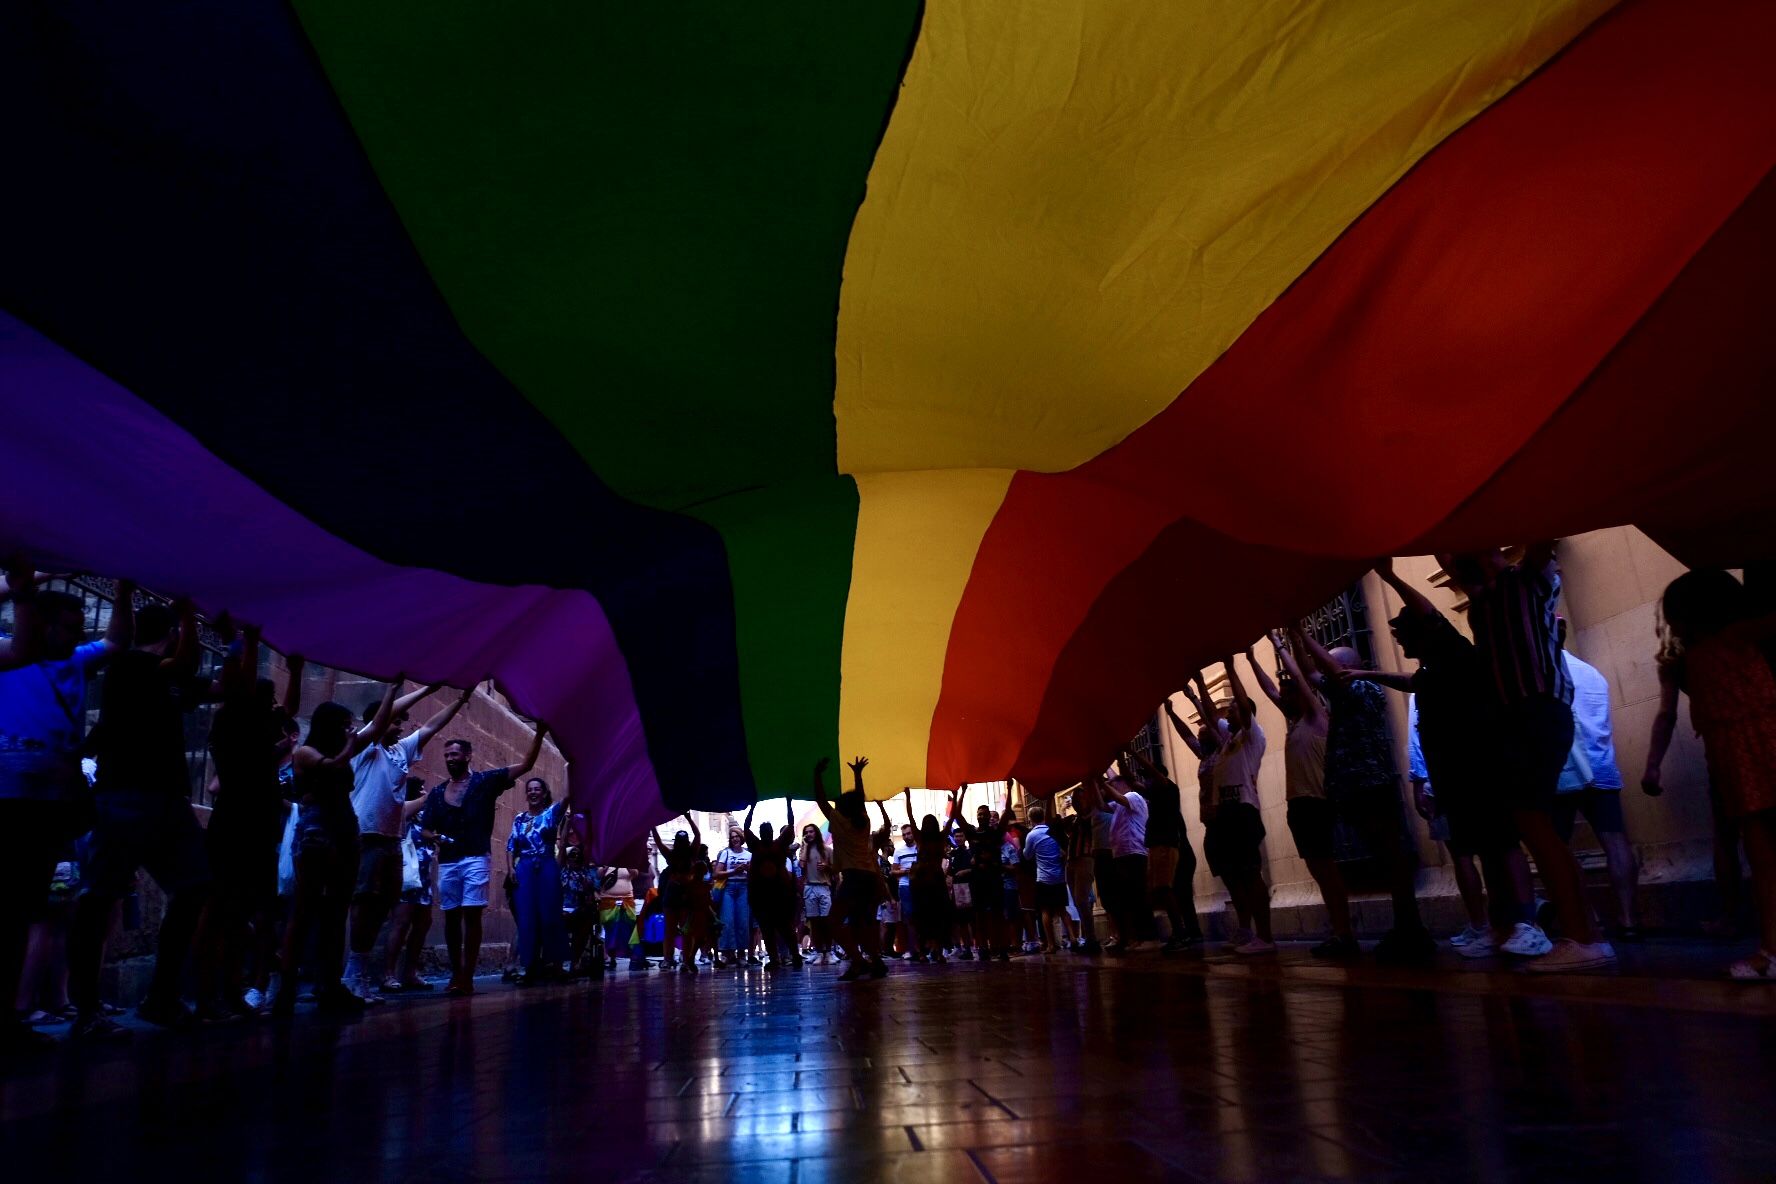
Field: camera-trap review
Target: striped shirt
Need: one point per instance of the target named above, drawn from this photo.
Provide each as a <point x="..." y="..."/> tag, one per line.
<point x="1515" y="629"/>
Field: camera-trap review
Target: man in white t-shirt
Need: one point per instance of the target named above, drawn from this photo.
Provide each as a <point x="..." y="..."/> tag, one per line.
<point x="379" y="796"/>
<point x="44" y="671"/>
<point x="1128" y="861"/>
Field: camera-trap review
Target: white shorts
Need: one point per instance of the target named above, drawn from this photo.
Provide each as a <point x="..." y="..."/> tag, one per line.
<point x="888" y="912"/>
<point x="817" y="900"/>
<point x="961" y="896"/>
<point x="463" y="884"/>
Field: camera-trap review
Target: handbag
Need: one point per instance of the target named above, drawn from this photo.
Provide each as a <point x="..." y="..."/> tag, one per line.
<point x="410" y="881"/>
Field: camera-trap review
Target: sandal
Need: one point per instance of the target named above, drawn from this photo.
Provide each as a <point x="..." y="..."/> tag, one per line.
<point x="1759" y="968"/>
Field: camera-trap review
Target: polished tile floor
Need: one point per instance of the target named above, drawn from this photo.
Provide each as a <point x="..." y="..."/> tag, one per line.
<point x="1194" y="1068"/>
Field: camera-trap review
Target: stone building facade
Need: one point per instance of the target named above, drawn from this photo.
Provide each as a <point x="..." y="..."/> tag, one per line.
<point x="1611" y="584"/>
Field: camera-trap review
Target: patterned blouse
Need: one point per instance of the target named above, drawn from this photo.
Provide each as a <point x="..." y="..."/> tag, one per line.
<point x="535" y="834"/>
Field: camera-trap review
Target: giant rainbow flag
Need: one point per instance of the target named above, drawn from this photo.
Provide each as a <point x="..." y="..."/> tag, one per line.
<point x="742" y="383"/>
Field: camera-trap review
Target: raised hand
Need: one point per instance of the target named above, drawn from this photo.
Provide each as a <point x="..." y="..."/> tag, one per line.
<point x="821" y="765"/>
<point x="858" y="764"/>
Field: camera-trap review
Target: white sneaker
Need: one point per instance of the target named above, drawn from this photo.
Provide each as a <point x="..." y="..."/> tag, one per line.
<point x="1528" y="941"/>
<point x="1255" y="945"/>
<point x="1479" y="945"/>
<point x="1572" y="955"/>
<point x="1468" y="934"/>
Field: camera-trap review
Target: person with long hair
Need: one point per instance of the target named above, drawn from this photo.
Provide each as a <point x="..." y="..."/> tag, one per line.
<point x="986" y="841"/>
<point x="532" y="863"/>
<point x="326" y="853"/>
<point x="860" y="882"/>
<point x="928" y="890"/>
<point x="684" y="896"/>
<point x="815" y="866"/>
<point x="771" y="890"/>
<point x="733" y="876"/>
<point x="1715" y="652"/>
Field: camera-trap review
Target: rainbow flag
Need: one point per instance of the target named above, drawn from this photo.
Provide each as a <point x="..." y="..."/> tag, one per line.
<point x="742" y="383"/>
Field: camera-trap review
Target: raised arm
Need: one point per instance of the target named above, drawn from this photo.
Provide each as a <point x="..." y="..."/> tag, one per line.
<point x="1241" y="712"/>
<point x="185" y="651"/>
<point x="789" y="813"/>
<point x="242" y="667"/>
<point x="826" y="807"/>
<point x="1664" y="727"/>
<point x="1205" y="702"/>
<point x="293" y="685"/>
<point x="1416" y="602"/>
<point x="746" y="826"/>
<point x="409" y="701"/>
<point x="439" y="721"/>
<point x="356" y="741"/>
<point x="1264" y="683"/>
<point x="857" y="766"/>
<point x="1108" y="788"/>
<point x="120" y="634"/>
<point x="530" y="757"/>
<point x="1316" y="652"/>
<point x="1178" y="726"/>
<point x="1286" y="651"/>
<point x="22" y="647"/>
<point x="696" y="835"/>
<point x="907" y="795"/>
<point x="958" y="816"/>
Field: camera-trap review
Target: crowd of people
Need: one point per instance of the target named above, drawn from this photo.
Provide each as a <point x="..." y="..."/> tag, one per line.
<point x="321" y="844"/>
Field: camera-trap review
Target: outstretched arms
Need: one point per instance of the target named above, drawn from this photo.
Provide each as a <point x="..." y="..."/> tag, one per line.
<point x="439" y="721"/>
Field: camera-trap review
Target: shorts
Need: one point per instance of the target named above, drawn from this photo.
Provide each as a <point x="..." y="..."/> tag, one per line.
<point x="989" y="892"/>
<point x="961" y="896"/>
<point x="1310" y="823"/>
<point x="1534" y="738"/>
<point x="421" y="896"/>
<point x="888" y="912"/>
<point x="1480" y="821"/>
<point x="379" y="868"/>
<point x="1438" y="828"/>
<point x="817" y="900"/>
<point x="1051" y="898"/>
<point x="1231" y="839"/>
<point x="1602" y="808"/>
<point x="462" y="883"/>
<point x="1011" y="896"/>
<point x="859" y="893"/>
<point x="904" y="891"/>
<point x="1162" y="865"/>
<point x="143" y="830"/>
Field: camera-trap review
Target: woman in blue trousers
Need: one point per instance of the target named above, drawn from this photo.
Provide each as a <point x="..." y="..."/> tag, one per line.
<point x="536" y="901"/>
